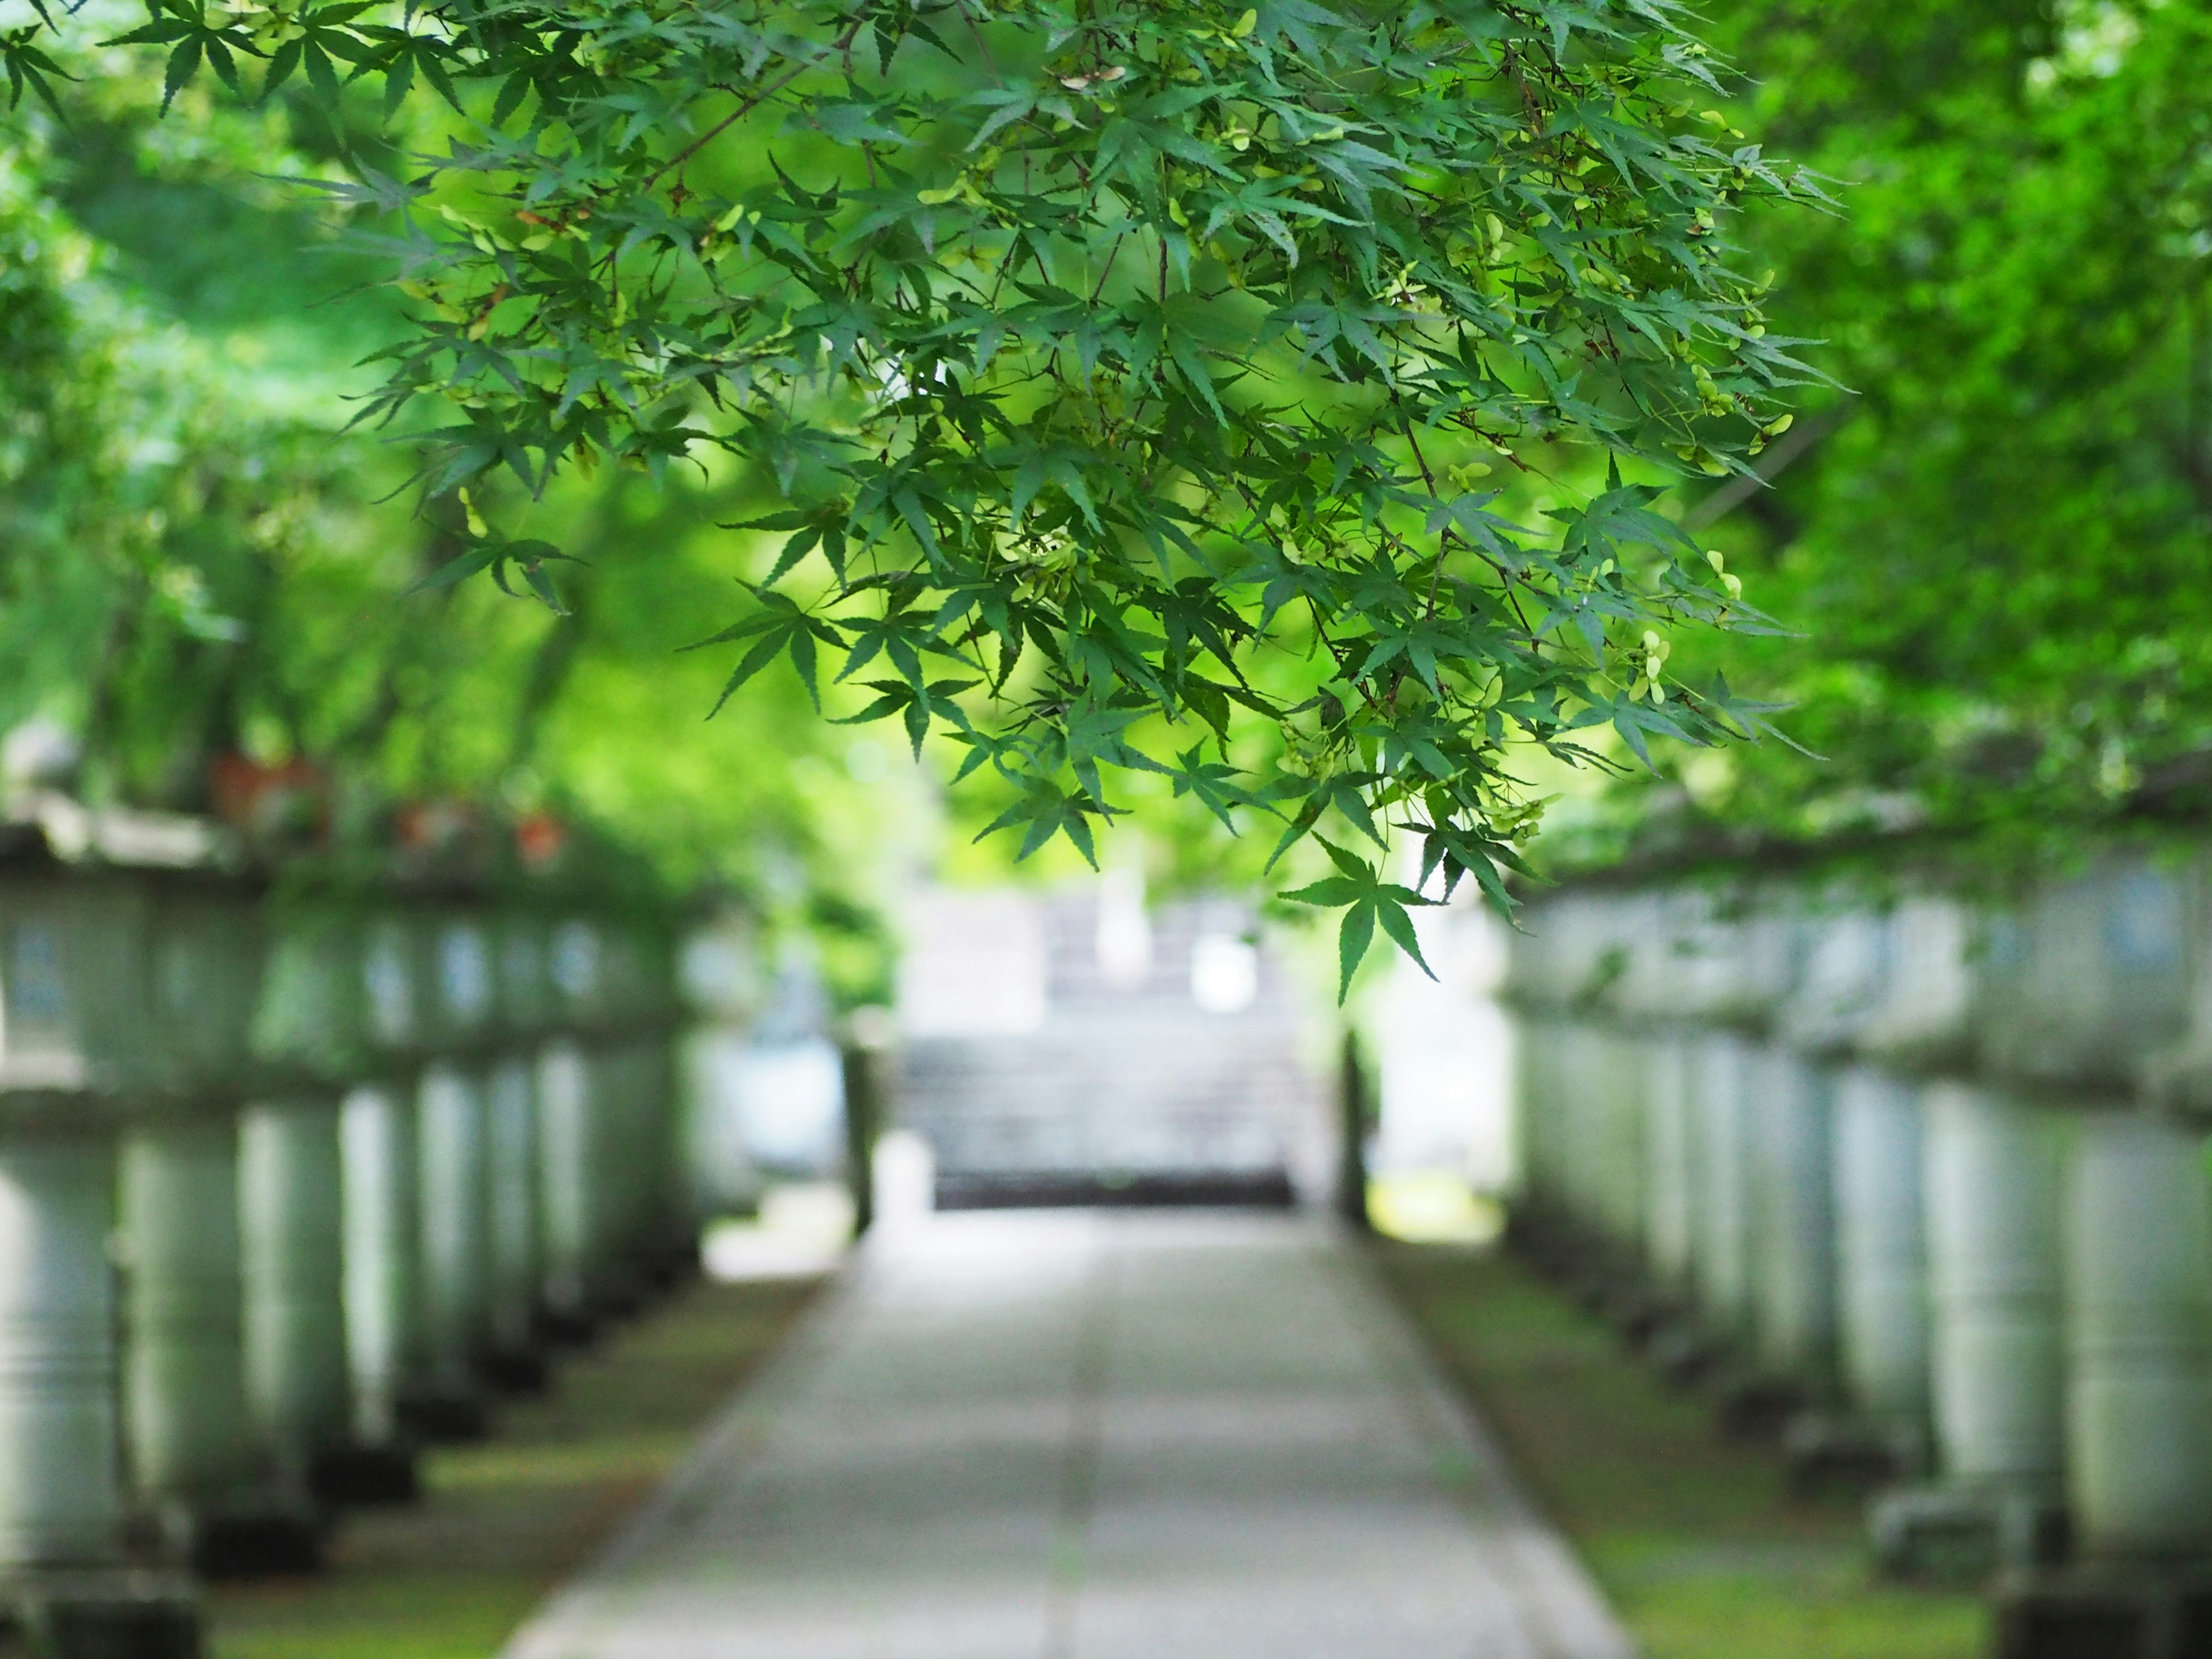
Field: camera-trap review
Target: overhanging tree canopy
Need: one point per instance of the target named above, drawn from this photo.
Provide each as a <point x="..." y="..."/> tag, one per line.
<point x="2000" y="543"/>
<point x="1118" y="366"/>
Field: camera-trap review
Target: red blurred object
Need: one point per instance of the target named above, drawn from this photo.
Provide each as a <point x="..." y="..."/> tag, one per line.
<point x="540" y="838"/>
<point x="437" y="826"/>
<point x="291" y="798"/>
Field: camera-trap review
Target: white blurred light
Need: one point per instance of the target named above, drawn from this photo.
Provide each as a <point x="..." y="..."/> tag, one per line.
<point x="974" y="965"/>
<point x="1225" y="974"/>
<point x="790" y="1104"/>
<point x="803" y="1229"/>
<point x="1125" y="933"/>
<point x="904" y="1173"/>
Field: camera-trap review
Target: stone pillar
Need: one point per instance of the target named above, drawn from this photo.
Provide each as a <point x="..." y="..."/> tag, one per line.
<point x="300" y="1204"/>
<point x="1576" y="1138"/>
<point x="1721" y="1243"/>
<point x="1990" y="1184"/>
<point x="384" y="1336"/>
<point x="1534" y="1089"/>
<point x="1991" y="1190"/>
<point x="515" y="1268"/>
<point x="2139" y="1405"/>
<point x="614" y="1198"/>
<point x="569" y="1174"/>
<point x="2139" y="1340"/>
<point x="1616" y="1150"/>
<point x="1882" y="1257"/>
<point x="196" y="1462"/>
<point x="1670" y="1205"/>
<point x="292" y="1239"/>
<point x="60" y="1487"/>
<point x="455" y="1192"/>
<point x="1792" y="1232"/>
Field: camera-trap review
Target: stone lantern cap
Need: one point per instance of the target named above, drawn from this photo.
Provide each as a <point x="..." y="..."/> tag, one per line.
<point x="129" y="963"/>
<point x="611" y="974"/>
<point x="1845" y="955"/>
<point x="718" y="968"/>
<point x="1698" y="952"/>
<point x="525" y="988"/>
<point x="2086" y="982"/>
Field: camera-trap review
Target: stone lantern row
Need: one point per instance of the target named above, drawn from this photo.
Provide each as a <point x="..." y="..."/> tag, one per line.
<point x="1920" y="1184"/>
<point x="288" y="1186"/>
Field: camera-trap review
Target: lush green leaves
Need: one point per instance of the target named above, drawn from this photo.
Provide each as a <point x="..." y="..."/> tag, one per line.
<point x="1996" y="544"/>
<point x="1120" y="366"/>
<point x="1366" y="899"/>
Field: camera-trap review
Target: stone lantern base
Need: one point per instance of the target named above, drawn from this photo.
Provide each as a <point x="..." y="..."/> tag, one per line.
<point x="253" y="1535"/>
<point x="517" y="1370"/>
<point x="1752" y="1405"/>
<point x="1963" y="1532"/>
<point x="2114" y="1610"/>
<point x="1683" y="1352"/>
<point x="1828" y="1451"/>
<point x="102" y="1613"/>
<point x="364" y="1477"/>
<point x="445" y="1415"/>
<point x="570" y="1327"/>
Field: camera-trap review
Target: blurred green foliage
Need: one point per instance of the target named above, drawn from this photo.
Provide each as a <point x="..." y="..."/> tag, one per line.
<point x="1994" y="549"/>
<point x="198" y="562"/>
<point x="1990" y="537"/>
<point x="1119" y="382"/>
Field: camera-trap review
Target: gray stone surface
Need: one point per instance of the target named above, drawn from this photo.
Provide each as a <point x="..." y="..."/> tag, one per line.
<point x="1081" y="1436"/>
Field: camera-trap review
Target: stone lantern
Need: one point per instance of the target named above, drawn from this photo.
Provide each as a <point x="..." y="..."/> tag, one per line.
<point x="2111" y="981"/>
<point x="1750" y="1197"/>
<point x="386" y="1347"/>
<point x="1658" y="1044"/>
<point x="75" y="1064"/>
<point x="1974" y="1287"/>
<point x="514" y="1264"/>
<point x="1871" y="1421"/>
<point x="622" y="1094"/>
<point x="1703" y="962"/>
<point x="198" y="1465"/>
<point x="2088" y="980"/>
<point x="718" y="978"/>
<point x="1777" y="1148"/>
<point x="1558" y="987"/>
<point x="1899" y="993"/>
<point x="310" y="1037"/>
<point x="659" y="1241"/>
<point x="457" y="1009"/>
<point x="574" y="1198"/>
<point x="606" y="1124"/>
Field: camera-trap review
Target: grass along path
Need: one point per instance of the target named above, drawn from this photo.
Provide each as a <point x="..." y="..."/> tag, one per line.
<point x="501" y="1522"/>
<point x="1699" y="1544"/>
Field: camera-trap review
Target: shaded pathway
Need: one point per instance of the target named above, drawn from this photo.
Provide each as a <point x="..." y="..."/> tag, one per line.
<point x="1090" y="1436"/>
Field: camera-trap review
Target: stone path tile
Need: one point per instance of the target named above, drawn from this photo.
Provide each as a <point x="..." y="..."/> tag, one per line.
<point x="1069" y="1436"/>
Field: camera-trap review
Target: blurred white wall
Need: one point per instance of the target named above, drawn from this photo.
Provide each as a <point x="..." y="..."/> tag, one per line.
<point x="1444" y="1051"/>
<point x="974" y="965"/>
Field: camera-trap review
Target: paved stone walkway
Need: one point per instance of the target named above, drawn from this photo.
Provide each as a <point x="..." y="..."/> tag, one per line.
<point x="1069" y="1436"/>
